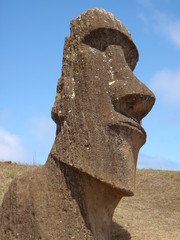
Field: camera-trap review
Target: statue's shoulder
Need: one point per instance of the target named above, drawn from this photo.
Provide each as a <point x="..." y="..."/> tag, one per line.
<point x="18" y="210"/>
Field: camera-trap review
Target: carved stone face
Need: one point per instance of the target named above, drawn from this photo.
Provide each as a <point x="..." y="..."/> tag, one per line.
<point x="100" y="103"/>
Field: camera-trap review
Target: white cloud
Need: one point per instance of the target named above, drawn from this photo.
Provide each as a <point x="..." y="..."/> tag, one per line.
<point x="148" y="162"/>
<point x="11" y="147"/>
<point x="43" y="128"/>
<point x="165" y="25"/>
<point x="169" y="27"/>
<point x="43" y="131"/>
<point x="145" y="3"/>
<point x="34" y="150"/>
<point x="166" y="84"/>
<point x="4" y="115"/>
<point x="144" y="19"/>
<point x="173" y="31"/>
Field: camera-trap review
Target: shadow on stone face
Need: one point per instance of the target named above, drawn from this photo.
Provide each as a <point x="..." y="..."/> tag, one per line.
<point x="119" y="233"/>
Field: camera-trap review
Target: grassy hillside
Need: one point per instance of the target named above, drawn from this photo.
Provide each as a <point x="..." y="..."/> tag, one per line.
<point x="153" y="213"/>
<point x="8" y="172"/>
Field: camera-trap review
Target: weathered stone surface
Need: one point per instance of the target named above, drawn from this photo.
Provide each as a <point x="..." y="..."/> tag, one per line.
<point x="98" y="109"/>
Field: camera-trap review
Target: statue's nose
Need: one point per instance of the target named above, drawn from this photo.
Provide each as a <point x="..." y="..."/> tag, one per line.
<point x="129" y="96"/>
<point x="133" y="99"/>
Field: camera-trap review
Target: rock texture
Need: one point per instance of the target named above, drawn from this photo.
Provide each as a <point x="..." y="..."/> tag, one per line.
<point x="98" y="110"/>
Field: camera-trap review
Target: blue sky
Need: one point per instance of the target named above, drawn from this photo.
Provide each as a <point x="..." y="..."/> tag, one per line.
<point x="31" y="45"/>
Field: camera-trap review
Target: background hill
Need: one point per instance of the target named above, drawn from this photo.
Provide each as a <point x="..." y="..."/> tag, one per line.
<point x="153" y="213"/>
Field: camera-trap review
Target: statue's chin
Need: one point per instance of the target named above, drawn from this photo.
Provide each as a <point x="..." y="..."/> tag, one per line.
<point x="115" y="166"/>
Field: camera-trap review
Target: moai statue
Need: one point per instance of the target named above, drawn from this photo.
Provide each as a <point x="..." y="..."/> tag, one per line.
<point x="98" y="111"/>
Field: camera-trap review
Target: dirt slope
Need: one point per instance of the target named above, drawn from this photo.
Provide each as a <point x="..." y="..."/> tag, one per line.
<point x="153" y="213"/>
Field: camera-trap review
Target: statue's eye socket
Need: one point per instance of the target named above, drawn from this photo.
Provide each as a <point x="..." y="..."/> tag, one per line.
<point x="103" y="37"/>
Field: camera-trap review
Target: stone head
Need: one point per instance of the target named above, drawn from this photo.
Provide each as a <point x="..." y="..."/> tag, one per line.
<point x="100" y="103"/>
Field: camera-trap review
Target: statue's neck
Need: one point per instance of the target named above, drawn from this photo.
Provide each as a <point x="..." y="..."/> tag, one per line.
<point x="96" y="200"/>
<point x="100" y="202"/>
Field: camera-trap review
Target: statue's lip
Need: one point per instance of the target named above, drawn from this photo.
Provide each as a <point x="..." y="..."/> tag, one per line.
<point x="136" y="126"/>
<point x="127" y="121"/>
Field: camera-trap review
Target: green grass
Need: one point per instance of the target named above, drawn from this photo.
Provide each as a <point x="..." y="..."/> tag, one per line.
<point x="12" y="175"/>
<point x="8" y="172"/>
